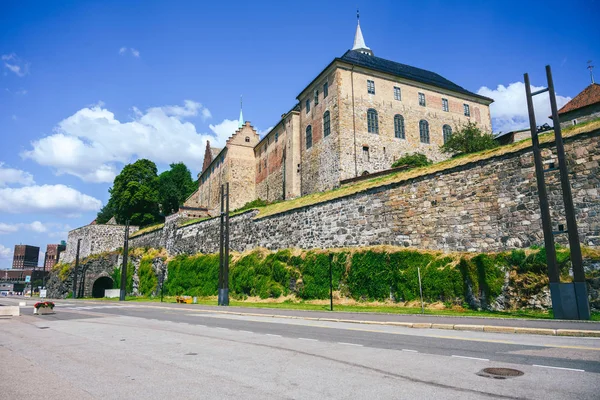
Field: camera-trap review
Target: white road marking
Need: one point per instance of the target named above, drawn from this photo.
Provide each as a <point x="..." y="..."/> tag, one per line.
<point x="247" y="331"/>
<point x="351" y="344"/>
<point x="203" y="326"/>
<point x="270" y="334"/>
<point x="223" y="329"/>
<point x="410" y="351"/>
<point x="471" y="358"/>
<point x="310" y="340"/>
<point x="566" y="369"/>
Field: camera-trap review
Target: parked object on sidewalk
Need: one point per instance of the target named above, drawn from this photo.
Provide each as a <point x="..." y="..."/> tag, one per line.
<point x="184" y="299"/>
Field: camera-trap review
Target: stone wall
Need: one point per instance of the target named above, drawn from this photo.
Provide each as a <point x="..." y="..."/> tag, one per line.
<point x="489" y="205"/>
<point x="94" y="239"/>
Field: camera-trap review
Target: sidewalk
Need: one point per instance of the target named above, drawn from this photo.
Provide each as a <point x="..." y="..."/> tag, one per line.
<point x="467" y="323"/>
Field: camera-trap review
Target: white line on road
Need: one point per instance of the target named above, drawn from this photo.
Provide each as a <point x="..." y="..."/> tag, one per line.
<point x="410" y="351"/>
<point x="566" y="369"/>
<point x="351" y="344"/>
<point x="310" y="340"/>
<point x="203" y="326"/>
<point x="223" y="329"/>
<point x="270" y="334"/>
<point x="471" y="358"/>
<point x="247" y="331"/>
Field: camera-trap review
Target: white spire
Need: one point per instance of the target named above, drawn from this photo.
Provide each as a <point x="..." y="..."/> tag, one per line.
<point x="241" y="121"/>
<point x="359" y="41"/>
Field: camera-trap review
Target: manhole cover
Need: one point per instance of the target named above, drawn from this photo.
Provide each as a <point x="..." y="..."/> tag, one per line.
<point x="500" y="373"/>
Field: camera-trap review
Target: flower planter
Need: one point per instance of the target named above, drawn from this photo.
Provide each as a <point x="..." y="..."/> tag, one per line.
<point x="43" y="311"/>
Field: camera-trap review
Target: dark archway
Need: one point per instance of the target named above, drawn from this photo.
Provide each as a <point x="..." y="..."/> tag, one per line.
<point x="100" y="285"/>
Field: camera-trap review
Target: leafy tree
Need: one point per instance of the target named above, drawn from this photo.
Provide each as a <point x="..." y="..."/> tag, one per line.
<point x="412" y="161"/>
<point x="174" y="187"/>
<point x="469" y="139"/>
<point x="106" y="213"/>
<point x="134" y="194"/>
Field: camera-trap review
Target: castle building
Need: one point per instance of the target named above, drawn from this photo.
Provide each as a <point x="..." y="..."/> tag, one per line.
<point x="582" y="108"/>
<point x="356" y="117"/>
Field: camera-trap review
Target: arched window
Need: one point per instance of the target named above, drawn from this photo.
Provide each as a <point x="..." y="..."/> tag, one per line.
<point x="372" y="123"/>
<point x="326" y="124"/>
<point x="424" y="131"/>
<point x="447" y="132"/>
<point x="399" y="126"/>
<point x="247" y="139"/>
<point x="308" y="137"/>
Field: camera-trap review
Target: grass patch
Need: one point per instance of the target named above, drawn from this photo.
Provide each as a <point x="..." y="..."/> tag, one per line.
<point x="147" y="229"/>
<point x="401" y="176"/>
<point x="193" y="221"/>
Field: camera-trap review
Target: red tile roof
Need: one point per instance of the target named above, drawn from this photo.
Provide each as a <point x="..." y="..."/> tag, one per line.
<point x="590" y="95"/>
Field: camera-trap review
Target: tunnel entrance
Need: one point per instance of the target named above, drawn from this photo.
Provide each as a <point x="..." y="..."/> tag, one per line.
<point x="100" y="285"/>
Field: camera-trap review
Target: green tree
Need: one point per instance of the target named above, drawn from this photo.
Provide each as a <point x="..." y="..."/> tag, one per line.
<point x="107" y="212"/>
<point x="469" y="139"/>
<point x="134" y="194"/>
<point x="412" y="161"/>
<point x="174" y="187"/>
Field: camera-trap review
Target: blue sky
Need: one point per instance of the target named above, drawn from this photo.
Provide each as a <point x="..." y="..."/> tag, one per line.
<point x="80" y="79"/>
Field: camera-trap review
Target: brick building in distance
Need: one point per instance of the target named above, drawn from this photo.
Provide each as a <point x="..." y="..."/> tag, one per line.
<point x="356" y="117"/>
<point x="25" y="256"/>
<point x="52" y="256"/>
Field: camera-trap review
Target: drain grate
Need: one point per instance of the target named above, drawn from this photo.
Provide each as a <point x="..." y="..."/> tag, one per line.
<point x="500" y="373"/>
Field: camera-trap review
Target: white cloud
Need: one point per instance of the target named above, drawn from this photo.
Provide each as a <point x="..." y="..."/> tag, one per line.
<point x="52" y="199"/>
<point x="262" y="134"/>
<point x="14" y="64"/>
<point x="14" y="176"/>
<point x="134" y="52"/>
<point x="92" y="144"/>
<point x="224" y="130"/>
<point x="206" y="114"/>
<point x="35" y="226"/>
<point x="5" y="253"/>
<point x="509" y="109"/>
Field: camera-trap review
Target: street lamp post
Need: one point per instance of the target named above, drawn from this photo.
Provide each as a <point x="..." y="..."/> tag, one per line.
<point x="75" y="269"/>
<point x="124" y="267"/>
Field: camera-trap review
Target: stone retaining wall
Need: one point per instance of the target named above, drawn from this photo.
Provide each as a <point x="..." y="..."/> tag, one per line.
<point x="489" y="205"/>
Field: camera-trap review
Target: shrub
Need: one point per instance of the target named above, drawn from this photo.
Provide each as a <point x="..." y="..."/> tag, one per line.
<point x="148" y="279"/>
<point x="412" y="161"/>
<point x="116" y="277"/>
<point x="468" y="139"/>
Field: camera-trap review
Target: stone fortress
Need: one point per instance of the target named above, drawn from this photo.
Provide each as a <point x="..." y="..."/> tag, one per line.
<point x="340" y="130"/>
<point x="358" y="116"/>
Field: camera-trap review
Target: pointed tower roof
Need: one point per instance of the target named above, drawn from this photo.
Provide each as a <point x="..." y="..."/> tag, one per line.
<point x="359" y="40"/>
<point x="241" y="121"/>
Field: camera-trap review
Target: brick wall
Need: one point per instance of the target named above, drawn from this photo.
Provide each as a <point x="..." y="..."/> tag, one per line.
<point x="94" y="239"/>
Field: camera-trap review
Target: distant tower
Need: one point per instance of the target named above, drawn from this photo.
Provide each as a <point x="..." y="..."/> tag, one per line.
<point x="241" y="121"/>
<point x="359" y="41"/>
<point x="591" y="68"/>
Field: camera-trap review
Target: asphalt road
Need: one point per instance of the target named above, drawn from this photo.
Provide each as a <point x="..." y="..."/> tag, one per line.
<point x="141" y="350"/>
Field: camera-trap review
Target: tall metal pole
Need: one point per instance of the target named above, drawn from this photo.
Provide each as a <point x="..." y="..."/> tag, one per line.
<point x="421" y="290"/>
<point x="75" y="269"/>
<point x="574" y="244"/>
<point x="553" y="274"/>
<point x="330" y="282"/>
<point x="44" y="273"/>
<point x="162" y="286"/>
<point x="124" y="267"/>
<point x="221" y="246"/>
<point x="225" y="299"/>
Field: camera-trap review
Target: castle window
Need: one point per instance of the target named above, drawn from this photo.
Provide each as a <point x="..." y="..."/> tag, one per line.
<point x="276" y="137"/>
<point x="326" y="124"/>
<point x="307" y="106"/>
<point x="397" y="93"/>
<point x="265" y="163"/>
<point x="372" y="122"/>
<point x="371" y="87"/>
<point x="247" y="139"/>
<point x="399" y="127"/>
<point x="424" y="131"/>
<point x="325" y="89"/>
<point x="422" y="99"/>
<point x="467" y="110"/>
<point x="316" y="97"/>
<point x="447" y="132"/>
<point x="308" y="137"/>
<point x="366" y="154"/>
<point x="445" y="105"/>
<point x="259" y="166"/>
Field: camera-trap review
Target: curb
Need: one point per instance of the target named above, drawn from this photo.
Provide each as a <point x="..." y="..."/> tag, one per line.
<point x="427" y="325"/>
